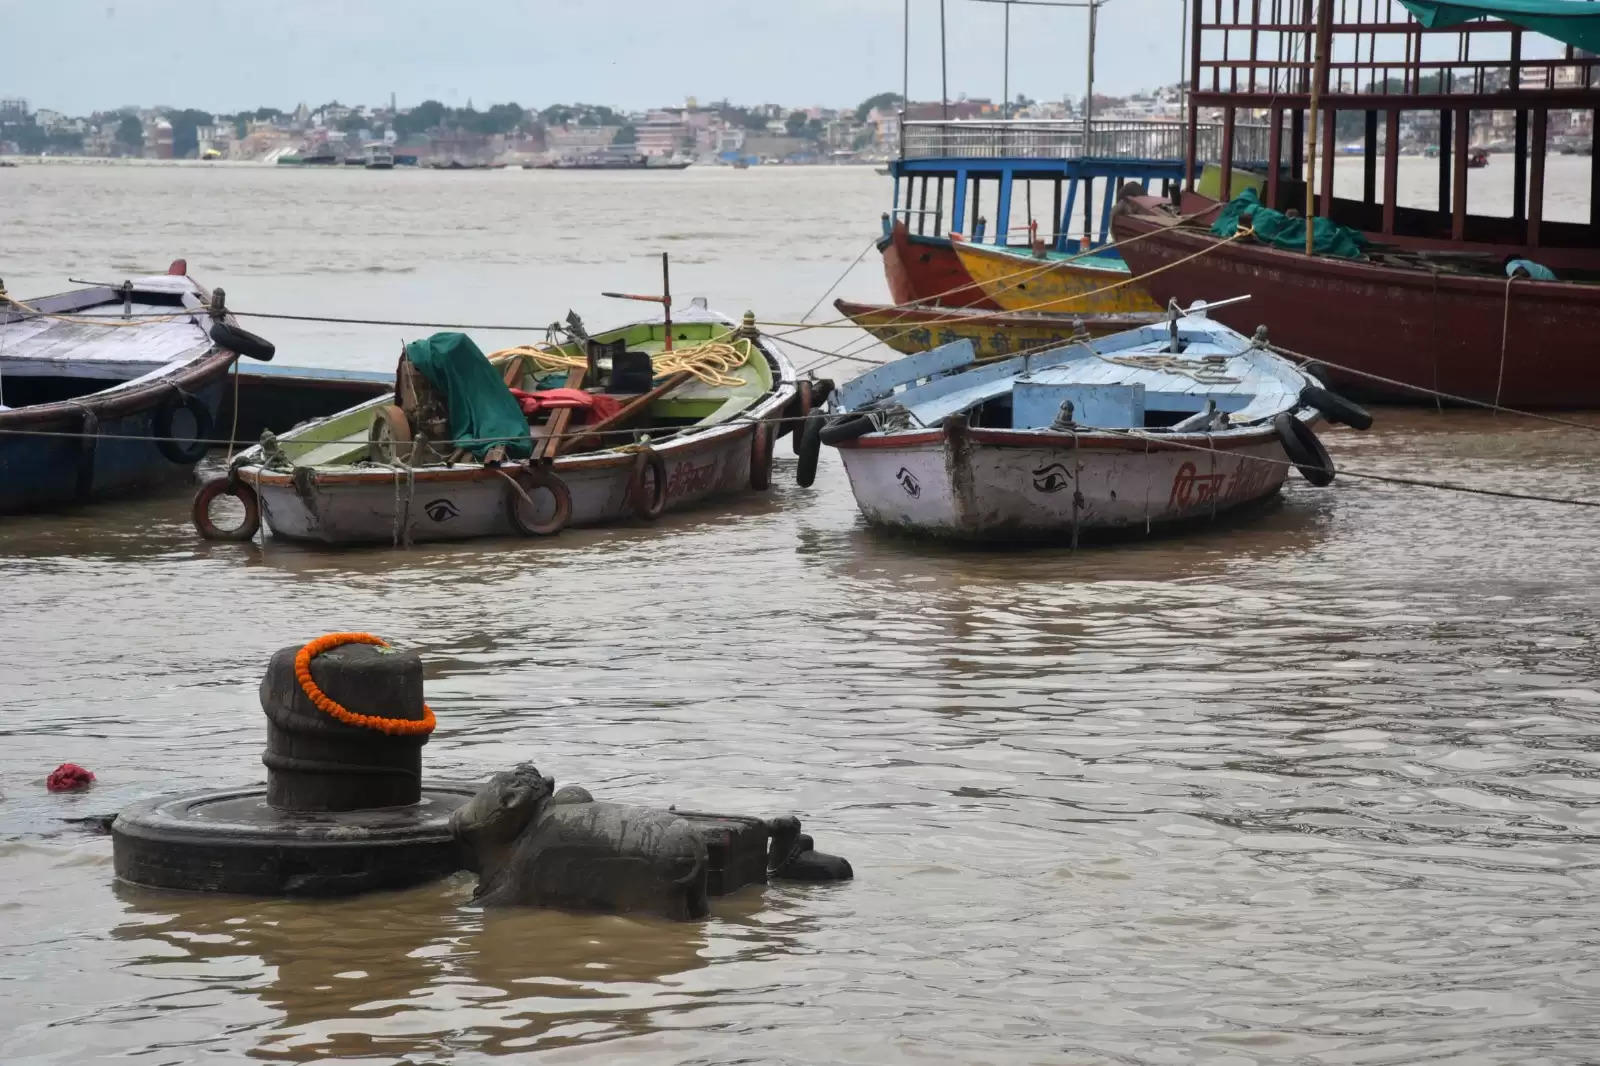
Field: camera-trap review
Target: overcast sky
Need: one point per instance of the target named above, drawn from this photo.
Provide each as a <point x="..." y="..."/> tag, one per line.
<point x="224" y="55"/>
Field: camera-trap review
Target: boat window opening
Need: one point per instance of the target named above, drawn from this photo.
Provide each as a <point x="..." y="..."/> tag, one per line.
<point x="25" y="390"/>
<point x="992" y="414"/>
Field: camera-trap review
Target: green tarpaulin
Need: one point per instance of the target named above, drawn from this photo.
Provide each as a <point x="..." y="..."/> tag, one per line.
<point x="1281" y="231"/>
<point x="483" y="412"/>
<point x="1574" y="22"/>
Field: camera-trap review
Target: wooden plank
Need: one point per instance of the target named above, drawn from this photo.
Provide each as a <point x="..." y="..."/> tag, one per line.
<point x="1274" y="155"/>
<point x="877" y="382"/>
<point x="1541" y="120"/>
<point x="1458" y="205"/>
<point x="549" y="445"/>
<point x="1391" y="167"/>
<point x="595" y="435"/>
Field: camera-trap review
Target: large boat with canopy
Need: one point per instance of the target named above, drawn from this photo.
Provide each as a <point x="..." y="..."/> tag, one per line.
<point x="1401" y="301"/>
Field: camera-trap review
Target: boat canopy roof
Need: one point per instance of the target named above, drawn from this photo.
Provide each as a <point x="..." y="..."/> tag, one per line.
<point x="1574" y="22"/>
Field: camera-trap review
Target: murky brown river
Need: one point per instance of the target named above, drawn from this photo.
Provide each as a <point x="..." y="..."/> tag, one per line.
<point x="1319" y="786"/>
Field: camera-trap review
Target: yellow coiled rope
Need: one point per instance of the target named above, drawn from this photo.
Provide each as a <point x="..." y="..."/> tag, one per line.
<point x="711" y="362"/>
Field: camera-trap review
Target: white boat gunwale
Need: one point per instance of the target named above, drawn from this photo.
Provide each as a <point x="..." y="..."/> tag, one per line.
<point x="785" y="382"/>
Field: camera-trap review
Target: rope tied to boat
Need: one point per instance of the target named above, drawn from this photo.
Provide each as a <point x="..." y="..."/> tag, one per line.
<point x="711" y="362"/>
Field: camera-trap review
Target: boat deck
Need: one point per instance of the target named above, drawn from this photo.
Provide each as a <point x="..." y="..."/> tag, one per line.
<point x="1115" y="381"/>
<point x="117" y="349"/>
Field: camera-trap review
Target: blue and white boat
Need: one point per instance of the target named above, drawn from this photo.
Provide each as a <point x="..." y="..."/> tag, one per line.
<point x="110" y="389"/>
<point x="1164" y="424"/>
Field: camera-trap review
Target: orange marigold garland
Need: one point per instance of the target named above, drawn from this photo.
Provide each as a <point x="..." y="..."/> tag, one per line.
<point x="400" y="727"/>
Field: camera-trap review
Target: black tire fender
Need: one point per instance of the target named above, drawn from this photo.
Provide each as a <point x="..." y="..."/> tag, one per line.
<point x="87" y="446"/>
<point x="169" y="448"/>
<point x="804" y="403"/>
<point x="761" y="444"/>
<point x="526" y="482"/>
<point x="847" y="429"/>
<point x="1304" y="450"/>
<point x="647" y="503"/>
<point x="810" y="448"/>
<point x="1335" y="408"/>
<point x="200" y="513"/>
<point x="242" y="342"/>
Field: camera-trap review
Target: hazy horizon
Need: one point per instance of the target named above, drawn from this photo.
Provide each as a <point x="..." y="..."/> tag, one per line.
<point x="623" y="53"/>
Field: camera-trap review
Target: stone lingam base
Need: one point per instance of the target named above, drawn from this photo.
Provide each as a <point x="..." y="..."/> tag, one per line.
<point x="344" y="810"/>
<point x="232" y="840"/>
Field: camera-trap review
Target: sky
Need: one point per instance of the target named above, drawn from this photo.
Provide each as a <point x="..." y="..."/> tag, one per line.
<point x="79" y="56"/>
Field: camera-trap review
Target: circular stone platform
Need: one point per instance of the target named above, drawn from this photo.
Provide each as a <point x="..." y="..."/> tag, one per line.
<point x="230" y="840"/>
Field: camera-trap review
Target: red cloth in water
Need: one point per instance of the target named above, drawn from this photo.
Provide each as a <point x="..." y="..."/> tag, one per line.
<point x="597" y="404"/>
<point x="68" y="777"/>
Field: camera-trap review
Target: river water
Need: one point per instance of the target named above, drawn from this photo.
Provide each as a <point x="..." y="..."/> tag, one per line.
<point x="1319" y="786"/>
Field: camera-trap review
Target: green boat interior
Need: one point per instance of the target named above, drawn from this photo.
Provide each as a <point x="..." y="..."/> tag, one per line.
<point x="710" y="375"/>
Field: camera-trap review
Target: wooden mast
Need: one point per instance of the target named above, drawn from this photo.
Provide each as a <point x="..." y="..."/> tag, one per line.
<point x="1318" y="74"/>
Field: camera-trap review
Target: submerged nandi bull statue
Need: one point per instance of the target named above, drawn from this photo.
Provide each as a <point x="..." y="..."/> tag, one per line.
<point x="535" y="846"/>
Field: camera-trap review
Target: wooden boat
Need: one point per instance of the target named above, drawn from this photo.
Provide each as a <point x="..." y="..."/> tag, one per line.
<point x="923" y="269"/>
<point x="1415" y="315"/>
<point x="1015" y="280"/>
<point x="994" y="334"/>
<point x="88" y="399"/>
<point x="1152" y="427"/>
<point x="1428" y="302"/>
<point x="274" y="398"/>
<point x="358" y="477"/>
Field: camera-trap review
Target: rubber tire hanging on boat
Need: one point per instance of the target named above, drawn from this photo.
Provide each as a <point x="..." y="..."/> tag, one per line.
<point x="803" y="403"/>
<point x="1304" y="450"/>
<point x="1335" y="408"/>
<point x="203" y="425"/>
<point x="87" y="445"/>
<point x="200" y="513"/>
<point x="810" y="448"/>
<point x="847" y="428"/>
<point x="762" y="442"/>
<point x="647" y="504"/>
<point x="242" y="342"/>
<point x="530" y="479"/>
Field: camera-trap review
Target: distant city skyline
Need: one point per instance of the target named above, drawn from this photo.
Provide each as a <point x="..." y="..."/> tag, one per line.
<point x="634" y="54"/>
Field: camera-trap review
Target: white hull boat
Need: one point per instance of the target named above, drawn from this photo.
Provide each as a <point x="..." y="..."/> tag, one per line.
<point x="1154" y="427"/>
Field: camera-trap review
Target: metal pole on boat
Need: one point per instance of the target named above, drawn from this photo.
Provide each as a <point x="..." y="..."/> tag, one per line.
<point x="1005" y="77"/>
<point x="1183" y="52"/>
<point x="944" y="82"/>
<point x="905" y="70"/>
<point x="1088" y="96"/>
<point x="665" y="300"/>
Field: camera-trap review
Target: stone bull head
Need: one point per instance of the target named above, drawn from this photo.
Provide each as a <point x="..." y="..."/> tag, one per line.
<point x="536" y="847"/>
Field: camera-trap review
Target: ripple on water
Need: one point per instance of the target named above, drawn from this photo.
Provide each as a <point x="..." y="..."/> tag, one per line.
<point x="1315" y="787"/>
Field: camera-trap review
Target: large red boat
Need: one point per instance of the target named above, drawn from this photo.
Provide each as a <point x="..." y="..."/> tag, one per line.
<point x="1437" y="302"/>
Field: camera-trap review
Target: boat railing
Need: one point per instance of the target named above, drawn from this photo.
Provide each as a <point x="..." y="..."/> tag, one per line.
<point x="1131" y="139"/>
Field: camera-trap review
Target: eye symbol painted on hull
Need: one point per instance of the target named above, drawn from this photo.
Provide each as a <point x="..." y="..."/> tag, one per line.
<point x="440" y="510"/>
<point x="1051" y="478"/>
<point x="908" y="481"/>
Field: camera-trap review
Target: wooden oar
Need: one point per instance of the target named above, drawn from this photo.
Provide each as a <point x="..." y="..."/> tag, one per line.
<point x="633" y="407"/>
<point x="547" y="446"/>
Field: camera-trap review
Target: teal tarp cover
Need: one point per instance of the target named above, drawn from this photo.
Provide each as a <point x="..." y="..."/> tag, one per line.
<point x="1281" y="231"/>
<point x="483" y="412"/>
<point x="1574" y="22"/>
